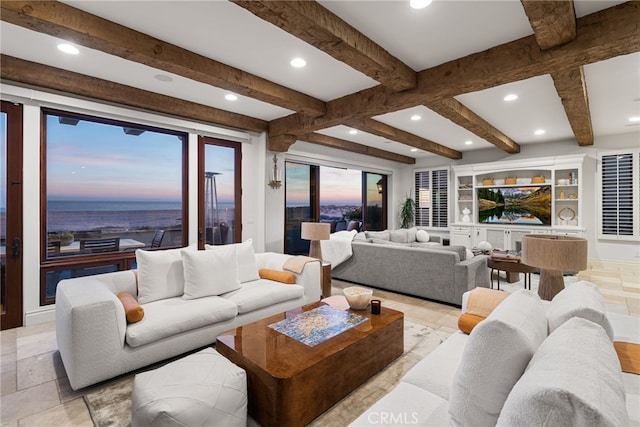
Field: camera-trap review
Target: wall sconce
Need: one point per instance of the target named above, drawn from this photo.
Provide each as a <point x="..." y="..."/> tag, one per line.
<point x="276" y="175"/>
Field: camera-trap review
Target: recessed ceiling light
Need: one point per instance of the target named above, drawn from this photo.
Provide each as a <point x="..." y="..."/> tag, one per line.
<point x="353" y="132"/>
<point x="540" y="132"/>
<point x="634" y="119"/>
<point x="386" y="142"/>
<point x="231" y="97"/>
<point x="68" y="48"/>
<point x="419" y="4"/>
<point x="298" y="62"/>
<point x="469" y="142"/>
<point x="413" y="150"/>
<point x="163" y="78"/>
<point x="416" y="117"/>
<point x="511" y="97"/>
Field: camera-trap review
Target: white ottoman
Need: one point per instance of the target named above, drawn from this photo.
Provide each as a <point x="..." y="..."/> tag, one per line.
<point x="202" y="389"/>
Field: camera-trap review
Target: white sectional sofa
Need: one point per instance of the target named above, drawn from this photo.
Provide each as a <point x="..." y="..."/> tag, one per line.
<point x="96" y="342"/>
<point x="529" y="363"/>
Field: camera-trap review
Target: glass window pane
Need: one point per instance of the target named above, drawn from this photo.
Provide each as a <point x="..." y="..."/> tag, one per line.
<point x="52" y="277"/>
<point x="111" y="181"/>
<point x="219" y="197"/>
<point x="299" y="206"/>
<point x="340" y="194"/>
<point x="375" y="195"/>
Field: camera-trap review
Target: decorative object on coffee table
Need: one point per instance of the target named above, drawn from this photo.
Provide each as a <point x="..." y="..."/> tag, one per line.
<point x="315" y="231"/>
<point x="553" y="255"/>
<point x="358" y="297"/>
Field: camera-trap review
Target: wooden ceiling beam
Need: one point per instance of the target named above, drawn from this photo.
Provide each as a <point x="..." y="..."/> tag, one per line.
<point x="461" y="115"/>
<point x="602" y="35"/>
<point x="553" y="21"/>
<point x="572" y="89"/>
<point x="341" y="144"/>
<point x="31" y="73"/>
<point x="316" y="25"/>
<point x="281" y="143"/>
<point x="66" y="22"/>
<point x="381" y="129"/>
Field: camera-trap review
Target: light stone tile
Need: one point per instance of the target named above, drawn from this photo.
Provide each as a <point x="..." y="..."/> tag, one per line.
<point x="633" y="305"/>
<point x="40" y="343"/>
<point x="613" y="299"/>
<point x="27" y="402"/>
<point x="449" y="321"/>
<point x="8" y="382"/>
<point x="73" y="413"/>
<point x="8" y="362"/>
<point x="36" y="370"/>
<point x="8" y="341"/>
<point x="424" y="316"/>
<point x="37" y="329"/>
<point x="631" y="287"/>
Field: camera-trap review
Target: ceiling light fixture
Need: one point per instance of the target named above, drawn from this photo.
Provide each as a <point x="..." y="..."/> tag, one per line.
<point x="68" y="48"/>
<point x="231" y="97"/>
<point x="298" y="62"/>
<point x="413" y="150"/>
<point x="469" y="142"/>
<point x="540" y="132"/>
<point x="163" y="78"/>
<point x="634" y="119"/>
<point x="353" y="132"/>
<point x="511" y="97"/>
<point x="419" y="4"/>
<point x="416" y="117"/>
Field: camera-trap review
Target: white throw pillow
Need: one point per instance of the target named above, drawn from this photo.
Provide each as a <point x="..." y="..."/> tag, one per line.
<point x="208" y="273"/>
<point x="160" y="274"/>
<point x="245" y="257"/>
<point x="495" y="357"/>
<point x="574" y="379"/>
<point x="422" y="236"/>
<point x="582" y="299"/>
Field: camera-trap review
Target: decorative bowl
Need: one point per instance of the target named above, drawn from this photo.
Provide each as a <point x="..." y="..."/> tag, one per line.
<point x="357" y="297"/>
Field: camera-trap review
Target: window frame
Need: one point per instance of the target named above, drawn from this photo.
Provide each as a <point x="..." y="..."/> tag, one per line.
<point x="435" y="207"/>
<point x="635" y="201"/>
<point x="124" y="259"/>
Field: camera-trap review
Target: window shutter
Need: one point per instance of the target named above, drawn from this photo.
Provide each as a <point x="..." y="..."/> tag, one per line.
<point x="617" y="195"/>
<point x="422" y="198"/>
<point x="432" y="198"/>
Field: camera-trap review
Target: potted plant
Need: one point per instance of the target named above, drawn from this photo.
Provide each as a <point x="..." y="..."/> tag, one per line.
<point x="407" y="212"/>
<point x="65" y="238"/>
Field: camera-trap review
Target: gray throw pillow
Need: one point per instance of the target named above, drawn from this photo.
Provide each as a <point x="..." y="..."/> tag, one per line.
<point x="384" y="235"/>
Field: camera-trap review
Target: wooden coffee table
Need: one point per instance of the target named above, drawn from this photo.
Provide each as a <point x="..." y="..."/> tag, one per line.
<point x="290" y="383"/>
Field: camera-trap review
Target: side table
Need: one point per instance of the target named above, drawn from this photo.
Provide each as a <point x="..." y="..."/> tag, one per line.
<point x="326" y="279"/>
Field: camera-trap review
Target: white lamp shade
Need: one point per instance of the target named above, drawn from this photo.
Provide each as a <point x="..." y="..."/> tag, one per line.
<point x="315" y="231"/>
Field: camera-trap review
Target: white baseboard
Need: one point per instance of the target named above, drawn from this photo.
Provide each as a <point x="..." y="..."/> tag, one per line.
<point x="43" y="315"/>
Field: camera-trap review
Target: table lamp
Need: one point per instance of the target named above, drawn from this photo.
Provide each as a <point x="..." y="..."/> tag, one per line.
<point x="315" y="231"/>
<point x="553" y="255"/>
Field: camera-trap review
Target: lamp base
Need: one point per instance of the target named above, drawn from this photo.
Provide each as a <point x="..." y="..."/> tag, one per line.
<point x="315" y="250"/>
<point x="551" y="282"/>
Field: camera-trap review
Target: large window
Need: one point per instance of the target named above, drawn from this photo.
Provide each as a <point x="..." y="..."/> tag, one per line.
<point x="432" y="198"/>
<point x="109" y="187"/>
<point x="339" y="196"/>
<point x="619" y="195"/>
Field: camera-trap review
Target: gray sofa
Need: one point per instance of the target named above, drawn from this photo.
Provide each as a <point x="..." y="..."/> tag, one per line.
<point x="441" y="273"/>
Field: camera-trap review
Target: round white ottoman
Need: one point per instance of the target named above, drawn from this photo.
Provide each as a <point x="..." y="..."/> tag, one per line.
<point x="202" y="389"/>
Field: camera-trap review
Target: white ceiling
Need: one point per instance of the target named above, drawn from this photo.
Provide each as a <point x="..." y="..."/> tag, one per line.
<point x="424" y="38"/>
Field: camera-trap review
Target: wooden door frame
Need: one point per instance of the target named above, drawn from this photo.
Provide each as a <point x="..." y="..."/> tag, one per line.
<point x="237" y="146"/>
<point x="12" y="315"/>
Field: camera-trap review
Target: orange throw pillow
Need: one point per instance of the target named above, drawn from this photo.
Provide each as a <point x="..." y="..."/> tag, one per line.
<point x="466" y="322"/>
<point x="278" y="276"/>
<point x="132" y="309"/>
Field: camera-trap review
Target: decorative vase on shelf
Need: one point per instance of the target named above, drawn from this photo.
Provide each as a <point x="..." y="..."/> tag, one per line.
<point x="465" y="215"/>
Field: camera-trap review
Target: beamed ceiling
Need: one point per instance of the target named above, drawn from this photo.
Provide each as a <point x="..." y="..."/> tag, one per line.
<point x="371" y="65"/>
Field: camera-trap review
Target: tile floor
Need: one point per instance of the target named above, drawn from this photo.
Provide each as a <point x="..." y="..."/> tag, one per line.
<point x="36" y="392"/>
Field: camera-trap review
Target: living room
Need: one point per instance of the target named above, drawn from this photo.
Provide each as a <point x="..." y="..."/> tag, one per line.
<point x="105" y="90"/>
